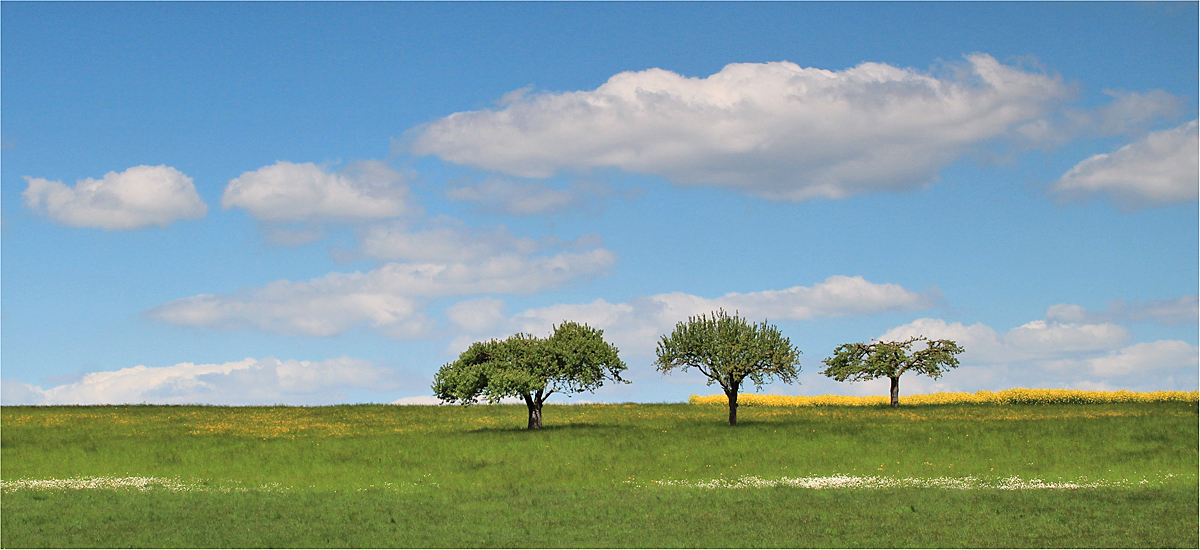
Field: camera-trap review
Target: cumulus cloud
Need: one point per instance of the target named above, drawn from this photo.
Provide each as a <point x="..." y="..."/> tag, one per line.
<point x="775" y="130"/>
<point x="1146" y="358"/>
<point x="1041" y="338"/>
<point x="386" y="298"/>
<point x="289" y="192"/>
<point x="138" y="197"/>
<point x="1055" y="354"/>
<point x="1162" y="168"/>
<point x="249" y="381"/>
<point x="529" y="198"/>
<point x="636" y="325"/>
<point x="1178" y="311"/>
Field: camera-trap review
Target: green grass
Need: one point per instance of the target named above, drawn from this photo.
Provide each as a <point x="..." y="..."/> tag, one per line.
<point x="383" y="476"/>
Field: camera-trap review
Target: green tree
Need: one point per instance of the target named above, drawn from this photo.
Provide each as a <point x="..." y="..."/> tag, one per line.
<point x="575" y="358"/>
<point x="727" y="349"/>
<point x="858" y="361"/>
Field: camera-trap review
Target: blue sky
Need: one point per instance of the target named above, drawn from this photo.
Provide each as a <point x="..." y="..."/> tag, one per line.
<point x="324" y="203"/>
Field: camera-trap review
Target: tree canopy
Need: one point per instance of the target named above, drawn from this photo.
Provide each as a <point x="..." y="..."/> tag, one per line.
<point x="727" y="350"/>
<point x="573" y="359"/>
<point x="858" y="361"/>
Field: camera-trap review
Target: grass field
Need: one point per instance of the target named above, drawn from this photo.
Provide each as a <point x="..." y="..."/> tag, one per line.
<point x="1101" y="475"/>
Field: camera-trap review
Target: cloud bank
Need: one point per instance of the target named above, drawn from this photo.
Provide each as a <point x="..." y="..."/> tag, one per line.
<point x="387" y="299"/>
<point x="138" y="197"/>
<point x="450" y="240"/>
<point x="289" y="192"/>
<point x="1162" y="168"/>
<point x="774" y="130"/>
<point x="249" y="381"/>
<point x="635" y="326"/>
<point x="1177" y="311"/>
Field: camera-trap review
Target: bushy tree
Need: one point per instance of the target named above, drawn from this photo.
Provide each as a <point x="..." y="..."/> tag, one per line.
<point x="859" y="361"/>
<point x="727" y="350"/>
<point x="575" y="358"/>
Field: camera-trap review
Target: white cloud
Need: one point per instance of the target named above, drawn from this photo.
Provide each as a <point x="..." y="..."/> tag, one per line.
<point x="526" y="198"/>
<point x="1131" y="111"/>
<point x="1162" y="168"/>
<point x="1051" y="354"/>
<point x="249" y="381"/>
<point x="1068" y="313"/>
<point x="324" y="306"/>
<point x="289" y="192"/>
<point x="1146" y="358"/>
<point x="478" y="315"/>
<point x="138" y="197"/>
<point x="837" y="296"/>
<point x="774" y="130"/>
<point x="978" y="339"/>
<point x="1034" y="340"/>
<point x="449" y="241"/>
<point x="1178" y="311"/>
<point x="1039" y="338"/>
<point x="384" y="298"/>
<point x="1127" y="113"/>
<point x="635" y="326"/>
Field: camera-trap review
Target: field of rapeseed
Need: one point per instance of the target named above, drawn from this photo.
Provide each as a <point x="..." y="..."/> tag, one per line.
<point x="1117" y="474"/>
<point x="1018" y="396"/>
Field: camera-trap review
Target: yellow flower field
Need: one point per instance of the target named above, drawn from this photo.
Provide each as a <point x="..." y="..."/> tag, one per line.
<point x="1019" y="396"/>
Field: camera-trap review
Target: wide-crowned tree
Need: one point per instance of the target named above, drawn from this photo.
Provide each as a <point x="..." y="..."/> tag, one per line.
<point x="575" y="358"/>
<point x="727" y="350"/>
<point x="859" y="361"/>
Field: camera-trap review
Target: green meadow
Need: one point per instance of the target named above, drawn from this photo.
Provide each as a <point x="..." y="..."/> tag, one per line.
<point x="671" y="475"/>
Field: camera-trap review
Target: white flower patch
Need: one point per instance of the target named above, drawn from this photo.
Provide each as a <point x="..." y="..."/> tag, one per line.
<point x="138" y="483"/>
<point x="842" y="481"/>
<point x="103" y="482"/>
<point x="400" y="487"/>
<point x="176" y="485"/>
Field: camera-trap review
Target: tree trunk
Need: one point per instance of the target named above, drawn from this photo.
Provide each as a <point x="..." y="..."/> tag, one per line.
<point x="732" y="395"/>
<point x="535" y="413"/>
<point x="895" y="391"/>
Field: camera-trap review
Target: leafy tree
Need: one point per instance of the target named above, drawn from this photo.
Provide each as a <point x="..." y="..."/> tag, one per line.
<point x="727" y="349"/>
<point x="575" y="358"/>
<point x="858" y="361"/>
